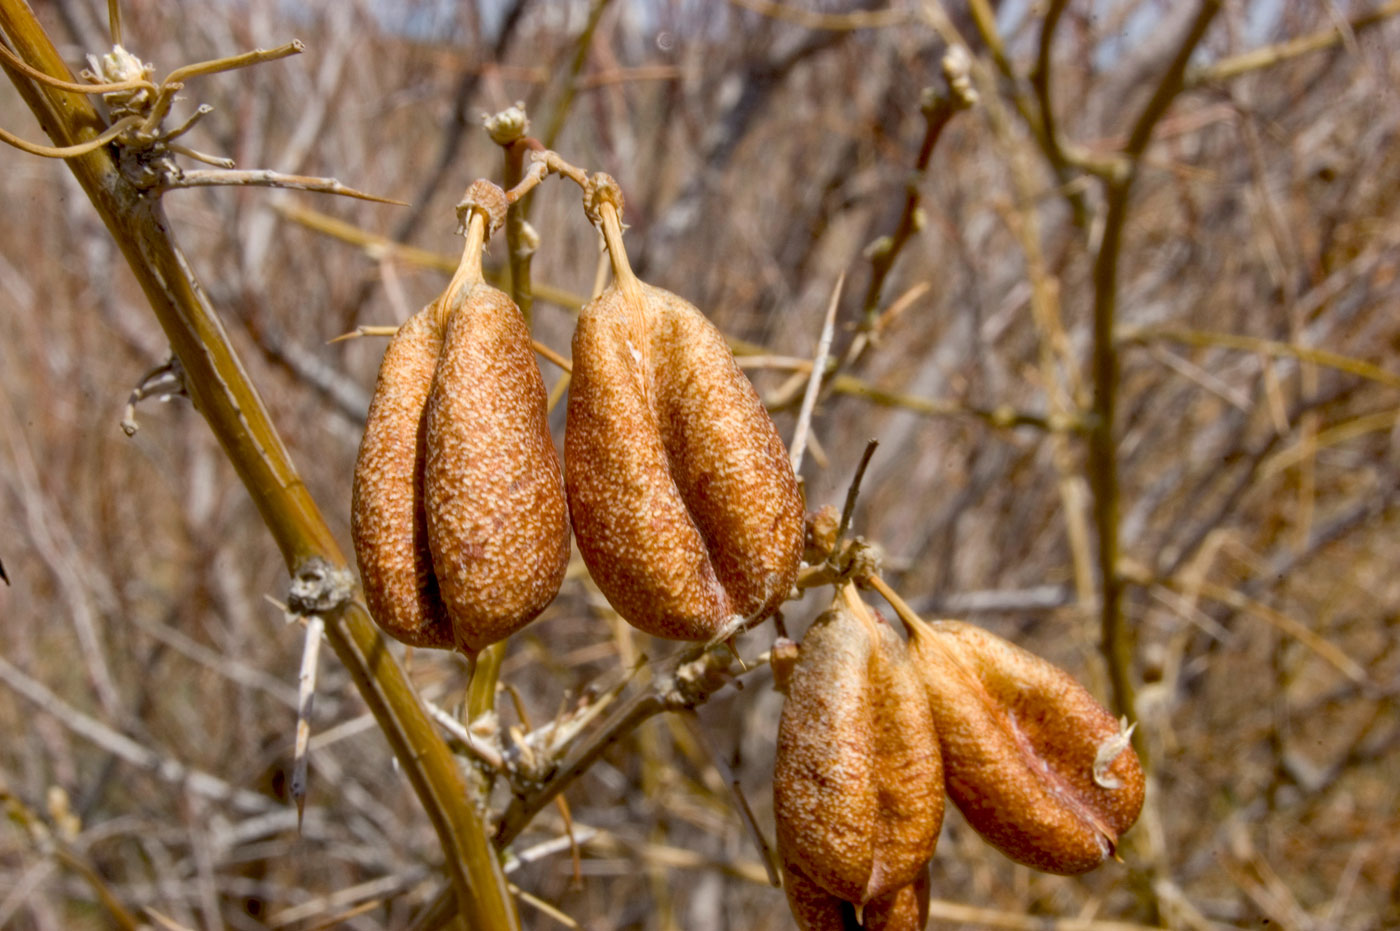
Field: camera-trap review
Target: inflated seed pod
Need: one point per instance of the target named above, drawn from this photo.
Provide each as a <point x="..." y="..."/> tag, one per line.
<point x="458" y="513"/>
<point x="683" y="501"/>
<point x="387" y="522"/>
<point x="1038" y="767"/>
<point x="493" y="491"/>
<point x="815" y="909"/>
<point x="905" y="909"/>
<point x="857" y="783"/>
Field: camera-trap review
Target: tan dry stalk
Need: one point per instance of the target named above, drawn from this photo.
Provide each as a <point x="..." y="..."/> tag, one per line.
<point x="857" y="782"/>
<point x="684" y="503"/>
<point x="1033" y="761"/>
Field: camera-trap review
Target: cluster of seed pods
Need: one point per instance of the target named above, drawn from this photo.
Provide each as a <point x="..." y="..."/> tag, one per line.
<point x="690" y="520"/>
<point x="682" y="498"/>
<point x="873" y="732"/>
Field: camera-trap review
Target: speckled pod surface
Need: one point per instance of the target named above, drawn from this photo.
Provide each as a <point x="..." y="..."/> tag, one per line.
<point x="497" y="522"/>
<point x="1021" y="742"/>
<point x="683" y="501"/>
<point x="857" y="783"/>
<point x="387" y="522"/>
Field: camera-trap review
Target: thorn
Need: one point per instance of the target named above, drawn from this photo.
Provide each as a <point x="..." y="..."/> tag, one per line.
<point x="306" y="697"/>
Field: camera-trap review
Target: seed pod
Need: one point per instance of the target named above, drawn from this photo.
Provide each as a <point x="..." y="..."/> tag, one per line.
<point x="458" y="512"/>
<point x="683" y="501"/>
<point x="905" y="909"/>
<point x="497" y="520"/>
<point x="815" y="909"/>
<point x="1038" y="767"/>
<point x="387" y="522"/>
<point x="857" y="783"/>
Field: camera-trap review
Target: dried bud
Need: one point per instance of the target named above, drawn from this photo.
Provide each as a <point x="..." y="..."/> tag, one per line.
<point x="683" y="501"/>
<point x="857" y="783"/>
<point x="820" y="534"/>
<point x="1038" y="767"/>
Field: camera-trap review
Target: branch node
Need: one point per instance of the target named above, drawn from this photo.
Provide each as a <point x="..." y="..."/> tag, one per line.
<point x="319" y="587"/>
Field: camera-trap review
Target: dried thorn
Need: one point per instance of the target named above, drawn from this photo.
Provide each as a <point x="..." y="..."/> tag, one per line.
<point x="265" y="178"/>
<point x="852" y="493"/>
<point x="164" y="382"/>
<point x="3" y="577"/>
<point x="306" y="697"/>
<point x="218" y="161"/>
<point x="200" y="113"/>
<point x="366" y="330"/>
<point x="736" y="794"/>
<point x="213" y="66"/>
<point x="814" y="382"/>
<point x="483" y="751"/>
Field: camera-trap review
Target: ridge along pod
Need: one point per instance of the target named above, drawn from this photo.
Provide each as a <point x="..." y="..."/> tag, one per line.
<point x="388" y="525"/>
<point x="683" y="500"/>
<point x="498" y="524"/>
<point x="458" y="513"/>
<point x="857" y="780"/>
<point x="1037" y="766"/>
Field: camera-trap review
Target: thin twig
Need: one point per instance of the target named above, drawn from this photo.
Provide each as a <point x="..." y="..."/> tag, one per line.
<point x="814" y="382"/>
<point x="1276" y="348"/>
<point x="1272" y="55"/>
<point x="852" y="493"/>
<point x="570" y="77"/>
<point x="766" y="852"/>
<point x="262" y="177"/>
<point x="1103" y="451"/>
<point x="833" y="22"/>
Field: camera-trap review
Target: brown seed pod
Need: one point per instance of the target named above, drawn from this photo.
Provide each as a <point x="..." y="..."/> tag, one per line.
<point x="498" y="524"/>
<point x="815" y="909"/>
<point x="905" y="909"/>
<point x="460" y="523"/>
<point x="1038" y="767"/>
<point x="387" y="522"/>
<point x="857" y="783"/>
<point x="682" y="497"/>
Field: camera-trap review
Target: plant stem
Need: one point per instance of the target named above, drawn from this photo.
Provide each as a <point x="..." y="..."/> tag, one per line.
<point x="1103" y="441"/>
<point x="220" y="389"/>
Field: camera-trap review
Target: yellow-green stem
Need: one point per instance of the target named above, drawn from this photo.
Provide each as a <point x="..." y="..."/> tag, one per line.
<point x="221" y="390"/>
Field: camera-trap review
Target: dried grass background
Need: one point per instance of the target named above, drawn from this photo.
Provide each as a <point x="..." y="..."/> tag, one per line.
<point x="760" y="157"/>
